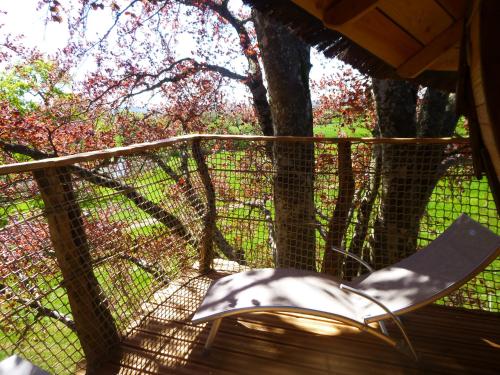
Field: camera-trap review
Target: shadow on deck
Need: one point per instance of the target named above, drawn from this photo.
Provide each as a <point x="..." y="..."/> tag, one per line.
<point x="448" y="340"/>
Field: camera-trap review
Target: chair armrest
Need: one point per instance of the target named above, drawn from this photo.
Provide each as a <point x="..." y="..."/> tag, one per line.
<point x="386" y="309"/>
<point x="355" y="257"/>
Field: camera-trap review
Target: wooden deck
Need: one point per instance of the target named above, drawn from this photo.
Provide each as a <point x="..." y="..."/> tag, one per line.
<point x="165" y="342"/>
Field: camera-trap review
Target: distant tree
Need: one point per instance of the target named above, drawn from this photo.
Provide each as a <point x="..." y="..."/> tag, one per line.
<point x="136" y="60"/>
<point x="344" y="97"/>
<point x="147" y="33"/>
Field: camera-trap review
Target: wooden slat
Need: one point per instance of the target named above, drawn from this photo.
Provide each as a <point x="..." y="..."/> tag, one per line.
<point x="304" y="353"/>
<point x="431" y="52"/>
<point x="382" y="37"/>
<point x="231" y="356"/>
<point x="390" y="29"/>
<point x="456" y="8"/>
<point x="316" y="8"/>
<point x="344" y="11"/>
<point x="489" y="134"/>
<point x="477" y="85"/>
<point x="424" y="19"/>
<point x="269" y="343"/>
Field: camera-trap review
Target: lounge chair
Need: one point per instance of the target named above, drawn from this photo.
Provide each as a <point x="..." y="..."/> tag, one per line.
<point x="433" y="272"/>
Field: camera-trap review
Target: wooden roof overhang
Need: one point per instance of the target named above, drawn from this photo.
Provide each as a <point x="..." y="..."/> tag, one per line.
<point x="446" y="44"/>
<point x="411" y="36"/>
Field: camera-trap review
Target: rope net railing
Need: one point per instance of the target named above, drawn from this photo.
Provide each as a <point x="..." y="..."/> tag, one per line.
<point x="84" y="247"/>
<point x="86" y="242"/>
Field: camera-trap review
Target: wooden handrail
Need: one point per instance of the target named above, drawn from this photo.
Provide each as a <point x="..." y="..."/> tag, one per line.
<point x="148" y="146"/>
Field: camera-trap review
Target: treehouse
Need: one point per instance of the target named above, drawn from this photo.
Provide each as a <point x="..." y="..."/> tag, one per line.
<point x="108" y="255"/>
<point x="436" y="43"/>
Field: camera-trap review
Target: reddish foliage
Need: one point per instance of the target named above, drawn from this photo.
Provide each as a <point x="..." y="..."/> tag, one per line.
<point x="137" y="63"/>
<point x="345" y="96"/>
<point x="24" y="247"/>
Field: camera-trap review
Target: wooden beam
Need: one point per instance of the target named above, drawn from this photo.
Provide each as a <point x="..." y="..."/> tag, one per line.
<point x="315" y="8"/>
<point x="485" y="79"/>
<point x="419" y="62"/>
<point x="344" y="11"/>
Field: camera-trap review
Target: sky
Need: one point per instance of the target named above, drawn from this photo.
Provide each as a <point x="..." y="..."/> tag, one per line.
<point x="22" y="18"/>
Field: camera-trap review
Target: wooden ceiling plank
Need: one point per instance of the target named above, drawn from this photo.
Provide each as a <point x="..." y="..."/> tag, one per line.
<point x="431" y="52"/>
<point x="423" y="19"/>
<point x="382" y="37"/>
<point x="344" y="11"/>
<point x="448" y="61"/>
<point x="316" y="8"/>
<point x="456" y="8"/>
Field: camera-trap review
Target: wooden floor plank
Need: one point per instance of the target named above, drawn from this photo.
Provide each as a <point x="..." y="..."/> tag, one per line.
<point x="448" y="341"/>
<point x="300" y="356"/>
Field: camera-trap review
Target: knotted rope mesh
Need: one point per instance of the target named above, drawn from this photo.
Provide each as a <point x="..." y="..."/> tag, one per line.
<point x="86" y="244"/>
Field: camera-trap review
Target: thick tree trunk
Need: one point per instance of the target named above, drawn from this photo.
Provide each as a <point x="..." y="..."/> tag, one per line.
<point x="287" y="63"/>
<point x="409" y="172"/>
<point x="93" y="321"/>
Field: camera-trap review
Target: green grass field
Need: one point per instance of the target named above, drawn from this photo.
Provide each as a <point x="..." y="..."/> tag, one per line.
<point x="337" y="130"/>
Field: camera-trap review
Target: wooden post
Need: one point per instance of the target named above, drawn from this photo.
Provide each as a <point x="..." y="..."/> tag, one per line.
<point x="206" y="250"/>
<point x="94" y="323"/>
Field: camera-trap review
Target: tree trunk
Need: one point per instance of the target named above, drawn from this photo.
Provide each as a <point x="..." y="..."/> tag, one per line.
<point x="210" y="215"/>
<point x="409" y="172"/>
<point x="364" y="215"/>
<point x="286" y="62"/>
<point x="260" y="103"/>
<point x="332" y="261"/>
<point x="94" y="324"/>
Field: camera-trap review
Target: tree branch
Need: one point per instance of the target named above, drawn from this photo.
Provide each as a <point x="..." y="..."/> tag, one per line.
<point x="254" y="81"/>
<point x="158" y="274"/>
<point x="152" y="209"/>
<point x="260" y="205"/>
<point x="221" y="70"/>
<point x="196" y="203"/>
<point x="37" y="306"/>
<point x="108" y="31"/>
<point x="371" y="188"/>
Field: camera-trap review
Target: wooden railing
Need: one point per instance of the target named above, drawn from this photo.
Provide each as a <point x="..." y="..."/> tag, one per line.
<point x="87" y="239"/>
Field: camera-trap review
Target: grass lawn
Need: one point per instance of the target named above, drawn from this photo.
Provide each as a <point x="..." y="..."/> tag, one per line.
<point x="335" y="129"/>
